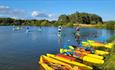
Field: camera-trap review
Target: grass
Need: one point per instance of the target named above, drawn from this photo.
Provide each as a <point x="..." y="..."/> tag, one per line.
<point x="111" y="39"/>
<point x="110" y="63"/>
<point x="109" y="59"/>
<point x="110" y="26"/>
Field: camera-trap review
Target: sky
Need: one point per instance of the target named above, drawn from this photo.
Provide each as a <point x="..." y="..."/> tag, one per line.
<point x="52" y="9"/>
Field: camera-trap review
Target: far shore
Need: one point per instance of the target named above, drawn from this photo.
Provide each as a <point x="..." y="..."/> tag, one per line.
<point x="89" y="25"/>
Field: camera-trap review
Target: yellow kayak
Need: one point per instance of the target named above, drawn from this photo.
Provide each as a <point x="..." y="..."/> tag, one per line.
<point x="93" y="60"/>
<point x="97" y="44"/>
<point x="85" y="44"/>
<point x="87" y="54"/>
<point x="93" y="44"/>
<point x="51" y="64"/>
<point x="95" y="56"/>
<point x="99" y="52"/>
<point x="109" y="45"/>
<point x="45" y="66"/>
<point x="83" y="66"/>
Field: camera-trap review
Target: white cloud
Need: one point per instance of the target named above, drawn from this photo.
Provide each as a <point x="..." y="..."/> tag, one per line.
<point x="41" y="15"/>
<point x="50" y="15"/>
<point x="4" y="7"/>
<point x="5" y="10"/>
<point x="34" y="13"/>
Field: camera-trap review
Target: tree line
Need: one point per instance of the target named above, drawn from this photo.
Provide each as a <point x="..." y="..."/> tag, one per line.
<point x="64" y="20"/>
<point x="33" y="22"/>
<point x="83" y="18"/>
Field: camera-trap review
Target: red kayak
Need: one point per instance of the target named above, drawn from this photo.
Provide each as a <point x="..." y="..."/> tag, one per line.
<point x="69" y="57"/>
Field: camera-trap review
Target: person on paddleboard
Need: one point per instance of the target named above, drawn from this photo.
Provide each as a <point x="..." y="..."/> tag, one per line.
<point x="59" y="28"/>
<point x="77" y="35"/>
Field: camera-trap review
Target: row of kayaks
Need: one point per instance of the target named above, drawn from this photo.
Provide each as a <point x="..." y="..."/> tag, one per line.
<point x="49" y="63"/>
<point x="61" y="61"/>
<point x="84" y="55"/>
<point x="74" y="58"/>
<point x="85" y="52"/>
<point x="64" y="62"/>
<point x="57" y="62"/>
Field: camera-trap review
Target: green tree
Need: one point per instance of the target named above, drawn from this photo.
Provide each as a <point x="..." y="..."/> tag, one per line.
<point x="63" y="19"/>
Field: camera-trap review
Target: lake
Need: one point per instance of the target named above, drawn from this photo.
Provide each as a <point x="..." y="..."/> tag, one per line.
<point x="20" y="50"/>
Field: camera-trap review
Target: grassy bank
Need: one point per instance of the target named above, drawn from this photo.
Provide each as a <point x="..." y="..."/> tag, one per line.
<point x="99" y="25"/>
<point x="109" y="59"/>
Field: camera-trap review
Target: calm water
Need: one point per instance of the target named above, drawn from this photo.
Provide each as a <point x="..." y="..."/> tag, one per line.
<point x="20" y="50"/>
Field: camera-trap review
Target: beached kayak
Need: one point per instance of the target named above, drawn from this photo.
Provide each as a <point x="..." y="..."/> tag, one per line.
<point x="93" y="60"/>
<point x="95" y="56"/>
<point x="71" y="62"/>
<point x="82" y="53"/>
<point x="52" y="64"/>
<point x="99" y="52"/>
<point x="44" y="65"/>
<point x="93" y="43"/>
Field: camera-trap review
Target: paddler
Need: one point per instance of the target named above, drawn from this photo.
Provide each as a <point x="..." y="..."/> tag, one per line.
<point x="78" y="34"/>
<point x="59" y="30"/>
<point x="27" y="29"/>
<point x="40" y="29"/>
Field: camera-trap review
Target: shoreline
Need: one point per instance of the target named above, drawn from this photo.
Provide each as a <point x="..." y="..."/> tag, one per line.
<point x="99" y="26"/>
<point x="90" y="25"/>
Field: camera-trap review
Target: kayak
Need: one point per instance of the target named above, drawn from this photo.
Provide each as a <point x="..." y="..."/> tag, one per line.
<point x="92" y="44"/>
<point x="97" y="44"/>
<point x="69" y="58"/>
<point x="95" y="56"/>
<point x="66" y="57"/>
<point x="44" y="65"/>
<point x="51" y="64"/>
<point x="83" y="53"/>
<point x="99" y="52"/>
<point x="71" y="62"/>
<point x="93" y="60"/>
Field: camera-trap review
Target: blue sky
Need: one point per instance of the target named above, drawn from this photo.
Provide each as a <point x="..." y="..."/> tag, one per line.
<point x="51" y="9"/>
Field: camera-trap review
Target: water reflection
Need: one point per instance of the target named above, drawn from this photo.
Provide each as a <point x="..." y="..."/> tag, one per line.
<point x="18" y="48"/>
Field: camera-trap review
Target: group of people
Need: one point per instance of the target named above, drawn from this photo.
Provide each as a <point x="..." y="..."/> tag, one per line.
<point x="77" y="33"/>
<point x="28" y="29"/>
